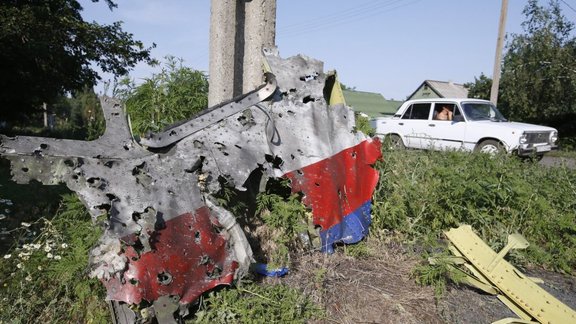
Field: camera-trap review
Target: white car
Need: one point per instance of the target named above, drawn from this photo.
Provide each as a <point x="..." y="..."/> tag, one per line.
<point x="463" y="124"/>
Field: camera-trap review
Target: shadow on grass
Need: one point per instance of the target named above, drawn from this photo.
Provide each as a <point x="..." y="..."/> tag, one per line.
<point x="23" y="203"/>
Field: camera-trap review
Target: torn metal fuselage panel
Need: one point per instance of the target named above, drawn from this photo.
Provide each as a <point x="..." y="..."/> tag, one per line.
<point x="324" y="157"/>
<point x="149" y="199"/>
<point x="164" y="235"/>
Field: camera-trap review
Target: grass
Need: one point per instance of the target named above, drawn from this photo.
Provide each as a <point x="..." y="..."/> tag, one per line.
<point x="423" y="193"/>
<point x="53" y="260"/>
<point x="567" y="148"/>
<point x="420" y="194"/>
<point x="563" y="154"/>
<point x="256" y="303"/>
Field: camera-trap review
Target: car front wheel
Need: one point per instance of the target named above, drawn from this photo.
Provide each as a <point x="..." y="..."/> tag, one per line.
<point x="491" y="147"/>
<point x="394" y="142"/>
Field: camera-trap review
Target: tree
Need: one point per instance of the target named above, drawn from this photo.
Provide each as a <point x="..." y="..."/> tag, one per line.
<point x="480" y="88"/>
<point x="539" y="68"/>
<point x="174" y="94"/>
<point x="79" y="116"/>
<point x="48" y="50"/>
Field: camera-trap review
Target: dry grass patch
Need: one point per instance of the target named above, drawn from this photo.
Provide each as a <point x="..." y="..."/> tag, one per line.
<point x="376" y="288"/>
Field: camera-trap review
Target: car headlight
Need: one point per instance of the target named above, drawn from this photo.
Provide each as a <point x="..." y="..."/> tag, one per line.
<point x="523" y="139"/>
<point x="553" y="137"/>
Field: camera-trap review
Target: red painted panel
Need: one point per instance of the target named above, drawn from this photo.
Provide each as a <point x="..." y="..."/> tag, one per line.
<point x="337" y="186"/>
<point x="188" y="258"/>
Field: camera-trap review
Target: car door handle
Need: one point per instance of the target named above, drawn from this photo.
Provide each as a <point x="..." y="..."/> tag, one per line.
<point x="401" y="124"/>
<point x="432" y="125"/>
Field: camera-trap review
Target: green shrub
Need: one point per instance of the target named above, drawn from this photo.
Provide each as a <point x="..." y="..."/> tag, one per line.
<point x="421" y="194"/>
<point x="46" y="279"/>
<point x="253" y="303"/>
<point x="438" y="273"/>
<point x="363" y="125"/>
<point x="287" y="218"/>
<point x="174" y="94"/>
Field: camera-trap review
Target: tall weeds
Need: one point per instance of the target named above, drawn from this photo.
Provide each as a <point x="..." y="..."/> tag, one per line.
<point x="45" y="278"/>
<point x="420" y="194"/>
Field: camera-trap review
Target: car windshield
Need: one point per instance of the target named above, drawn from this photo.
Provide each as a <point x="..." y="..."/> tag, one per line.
<point x="482" y="111"/>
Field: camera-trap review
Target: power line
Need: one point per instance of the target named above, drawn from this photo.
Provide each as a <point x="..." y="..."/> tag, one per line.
<point x="342" y="17"/>
<point x="567" y="5"/>
<point x="368" y="6"/>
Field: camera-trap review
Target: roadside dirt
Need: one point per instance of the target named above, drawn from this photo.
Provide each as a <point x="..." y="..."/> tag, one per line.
<point x="558" y="161"/>
<point x="381" y="289"/>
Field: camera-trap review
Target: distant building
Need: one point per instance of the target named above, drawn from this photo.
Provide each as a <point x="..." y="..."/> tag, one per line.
<point x="439" y="89"/>
<point x="370" y="103"/>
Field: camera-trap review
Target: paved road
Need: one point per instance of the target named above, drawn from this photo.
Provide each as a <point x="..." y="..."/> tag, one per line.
<point x="558" y="161"/>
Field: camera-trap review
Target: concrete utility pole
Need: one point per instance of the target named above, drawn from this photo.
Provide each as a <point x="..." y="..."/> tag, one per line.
<point x="221" y="65"/>
<point x="239" y="29"/>
<point x="259" y="32"/>
<point x="498" y="56"/>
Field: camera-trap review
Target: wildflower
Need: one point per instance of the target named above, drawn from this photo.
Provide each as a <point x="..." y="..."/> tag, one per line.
<point x="47" y="248"/>
<point x="49" y="256"/>
<point x="19" y="266"/>
<point x="36" y="246"/>
<point x="7" y="256"/>
<point x="29" y="278"/>
<point x="25" y="224"/>
<point x="57" y="257"/>
<point x="39" y="268"/>
<point x="2" y="216"/>
<point x="64" y="245"/>
<point x="27" y="247"/>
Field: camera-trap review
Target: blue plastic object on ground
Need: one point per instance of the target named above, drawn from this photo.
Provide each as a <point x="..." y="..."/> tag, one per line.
<point x="262" y="269"/>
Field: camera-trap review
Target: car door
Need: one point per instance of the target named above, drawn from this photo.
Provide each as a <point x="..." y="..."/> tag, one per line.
<point x="413" y="122"/>
<point x="446" y="134"/>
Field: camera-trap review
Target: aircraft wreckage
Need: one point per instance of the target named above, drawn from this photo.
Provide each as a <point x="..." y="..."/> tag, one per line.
<point x="166" y="240"/>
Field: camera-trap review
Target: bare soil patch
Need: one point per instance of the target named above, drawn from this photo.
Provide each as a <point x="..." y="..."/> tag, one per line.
<point x="380" y="288"/>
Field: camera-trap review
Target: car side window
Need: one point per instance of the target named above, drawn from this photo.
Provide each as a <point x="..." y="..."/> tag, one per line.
<point x="444" y="111"/>
<point x="418" y="111"/>
<point x="457" y="114"/>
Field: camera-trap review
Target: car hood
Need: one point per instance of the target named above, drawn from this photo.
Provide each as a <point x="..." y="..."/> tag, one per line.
<point x="516" y="126"/>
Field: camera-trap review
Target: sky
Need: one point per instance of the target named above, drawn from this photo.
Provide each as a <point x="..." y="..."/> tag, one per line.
<point x="384" y="46"/>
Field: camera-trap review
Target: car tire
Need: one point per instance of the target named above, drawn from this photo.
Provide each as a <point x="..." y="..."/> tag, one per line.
<point x="491" y="147"/>
<point x="394" y="142"/>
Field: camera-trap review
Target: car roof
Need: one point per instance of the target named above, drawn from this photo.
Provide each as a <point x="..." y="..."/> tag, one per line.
<point x="458" y="100"/>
